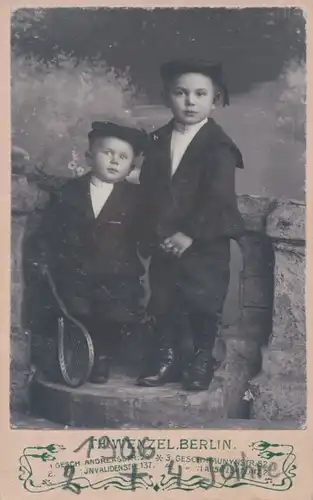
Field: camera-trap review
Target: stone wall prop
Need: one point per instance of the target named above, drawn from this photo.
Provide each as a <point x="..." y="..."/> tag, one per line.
<point x="281" y="385"/>
<point x="273" y="242"/>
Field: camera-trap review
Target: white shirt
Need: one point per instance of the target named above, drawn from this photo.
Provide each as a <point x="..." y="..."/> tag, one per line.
<point x="181" y="138"/>
<point x="99" y="193"/>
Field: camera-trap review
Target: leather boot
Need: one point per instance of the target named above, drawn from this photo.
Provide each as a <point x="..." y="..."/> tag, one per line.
<point x="106" y="340"/>
<point x="166" y="372"/>
<point x="199" y="374"/>
<point x="101" y="370"/>
<point x="166" y="367"/>
<point x="200" y="371"/>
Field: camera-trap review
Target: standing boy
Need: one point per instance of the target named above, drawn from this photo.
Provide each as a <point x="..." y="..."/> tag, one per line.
<point x="89" y="241"/>
<point x="188" y="187"/>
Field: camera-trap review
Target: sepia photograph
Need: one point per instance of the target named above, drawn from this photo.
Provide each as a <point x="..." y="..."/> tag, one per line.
<point x="158" y="203"/>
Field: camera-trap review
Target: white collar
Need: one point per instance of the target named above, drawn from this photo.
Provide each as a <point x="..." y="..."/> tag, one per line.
<point x="188" y="129"/>
<point x="98" y="183"/>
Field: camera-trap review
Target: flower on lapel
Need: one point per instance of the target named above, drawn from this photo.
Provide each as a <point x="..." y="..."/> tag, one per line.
<point x="79" y="171"/>
<point x="155" y="137"/>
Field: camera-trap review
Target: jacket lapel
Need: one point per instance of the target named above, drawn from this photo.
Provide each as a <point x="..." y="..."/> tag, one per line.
<point x="82" y="202"/>
<point x="162" y="153"/>
<point x="193" y="151"/>
<point x="113" y="211"/>
<point x="209" y="135"/>
<point x="81" y="198"/>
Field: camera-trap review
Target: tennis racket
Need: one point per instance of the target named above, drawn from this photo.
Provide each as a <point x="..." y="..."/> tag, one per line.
<point x="74" y="343"/>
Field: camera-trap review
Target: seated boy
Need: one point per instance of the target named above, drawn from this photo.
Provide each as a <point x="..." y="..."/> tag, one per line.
<point x="89" y="241"/>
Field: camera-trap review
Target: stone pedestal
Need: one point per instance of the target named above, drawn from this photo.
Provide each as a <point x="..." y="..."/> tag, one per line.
<point x="25" y="197"/>
<point x="120" y="403"/>
<point x="280" y="388"/>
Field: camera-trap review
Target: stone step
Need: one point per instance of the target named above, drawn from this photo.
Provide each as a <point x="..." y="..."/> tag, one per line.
<point x="120" y="403"/>
<point x="28" y="421"/>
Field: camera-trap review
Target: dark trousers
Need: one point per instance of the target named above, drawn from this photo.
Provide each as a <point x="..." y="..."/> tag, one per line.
<point x="203" y="327"/>
<point x="171" y="306"/>
<point x="106" y="335"/>
<point x="103" y="307"/>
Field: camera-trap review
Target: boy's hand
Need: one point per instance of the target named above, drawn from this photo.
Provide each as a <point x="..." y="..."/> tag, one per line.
<point x="177" y="244"/>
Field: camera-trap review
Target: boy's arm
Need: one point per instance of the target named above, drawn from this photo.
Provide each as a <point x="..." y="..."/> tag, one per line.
<point x="145" y="233"/>
<point x="217" y="215"/>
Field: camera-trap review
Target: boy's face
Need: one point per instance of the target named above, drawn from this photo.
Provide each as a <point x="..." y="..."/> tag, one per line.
<point x="111" y="159"/>
<point x="190" y="97"/>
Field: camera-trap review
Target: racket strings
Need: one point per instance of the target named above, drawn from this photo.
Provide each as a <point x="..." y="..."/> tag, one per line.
<point x="77" y="353"/>
<point x="76" y="350"/>
<point x="74" y="345"/>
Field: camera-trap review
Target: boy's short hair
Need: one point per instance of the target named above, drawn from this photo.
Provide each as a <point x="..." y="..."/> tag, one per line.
<point x="172" y="69"/>
<point x="135" y="137"/>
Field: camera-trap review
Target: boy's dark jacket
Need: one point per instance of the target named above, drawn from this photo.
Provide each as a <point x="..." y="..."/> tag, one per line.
<point x="200" y="201"/>
<point x="74" y="243"/>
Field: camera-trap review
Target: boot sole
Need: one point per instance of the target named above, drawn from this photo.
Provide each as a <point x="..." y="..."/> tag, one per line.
<point x="142" y="383"/>
<point x="147" y="383"/>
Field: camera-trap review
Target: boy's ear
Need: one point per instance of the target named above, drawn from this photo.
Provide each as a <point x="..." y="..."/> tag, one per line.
<point x="218" y="100"/>
<point x="88" y="157"/>
<point x="137" y="162"/>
